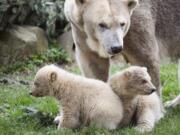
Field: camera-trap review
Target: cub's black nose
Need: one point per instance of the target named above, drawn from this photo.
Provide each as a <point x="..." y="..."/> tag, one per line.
<point x="153" y="90"/>
<point x="116" y="49"/>
<point x="30" y="93"/>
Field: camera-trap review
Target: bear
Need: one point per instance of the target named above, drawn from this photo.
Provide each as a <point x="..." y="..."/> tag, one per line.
<point x="140" y="30"/>
<point x="93" y="43"/>
<point x="141" y="104"/>
<point x="84" y="101"/>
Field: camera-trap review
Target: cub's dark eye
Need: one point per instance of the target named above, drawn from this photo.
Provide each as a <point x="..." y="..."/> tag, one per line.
<point x="103" y="25"/>
<point x="131" y="4"/>
<point x="144" y="81"/>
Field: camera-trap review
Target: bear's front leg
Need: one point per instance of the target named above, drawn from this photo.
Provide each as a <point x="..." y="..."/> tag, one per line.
<point x="92" y="65"/>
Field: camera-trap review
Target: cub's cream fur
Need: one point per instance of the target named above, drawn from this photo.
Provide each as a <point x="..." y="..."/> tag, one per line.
<point x="84" y="101"/>
<point x="141" y="104"/>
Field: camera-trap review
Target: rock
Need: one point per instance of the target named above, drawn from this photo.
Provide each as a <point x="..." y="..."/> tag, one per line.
<point x="24" y="82"/>
<point x="7" y="81"/>
<point x="42" y="43"/>
<point x="45" y="119"/>
<point x="66" y="42"/>
<point x="19" y="42"/>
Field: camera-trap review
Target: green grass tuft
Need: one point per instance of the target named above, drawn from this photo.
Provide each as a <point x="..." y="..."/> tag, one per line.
<point x="169" y="81"/>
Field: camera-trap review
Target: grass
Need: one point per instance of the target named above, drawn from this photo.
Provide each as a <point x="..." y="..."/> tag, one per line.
<point x="21" y="114"/>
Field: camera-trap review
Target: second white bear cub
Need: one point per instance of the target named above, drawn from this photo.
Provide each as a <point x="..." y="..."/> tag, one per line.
<point x="140" y="102"/>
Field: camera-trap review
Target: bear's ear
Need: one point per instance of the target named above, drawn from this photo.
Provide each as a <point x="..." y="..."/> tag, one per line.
<point x="52" y="77"/>
<point x="132" y="4"/>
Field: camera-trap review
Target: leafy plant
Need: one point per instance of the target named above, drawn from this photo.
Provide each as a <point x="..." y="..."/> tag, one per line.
<point x="47" y="14"/>
<point x="52" y="55"/>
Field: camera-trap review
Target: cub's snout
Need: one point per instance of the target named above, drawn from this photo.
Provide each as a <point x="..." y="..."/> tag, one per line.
<point x="153" y="90"/>
<point x="147" y="92"/>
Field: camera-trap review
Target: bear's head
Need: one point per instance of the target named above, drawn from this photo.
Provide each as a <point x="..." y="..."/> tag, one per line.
<point x="132" y="81"/>
<point x="106" y="22"/>
<point x="44" y="81"/>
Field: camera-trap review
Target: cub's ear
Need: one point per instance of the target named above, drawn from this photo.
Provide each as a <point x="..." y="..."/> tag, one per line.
<point x="52" y="77"/>
<point x="132" y="4"/>
<point x="127" y="74"/>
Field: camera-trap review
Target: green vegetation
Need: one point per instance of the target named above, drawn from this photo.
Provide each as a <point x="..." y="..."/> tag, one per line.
<point x="169" y="81"/>
<point x="50" y="56"/>
<point x="27" y="115"/>
<point x="46" y="14"/>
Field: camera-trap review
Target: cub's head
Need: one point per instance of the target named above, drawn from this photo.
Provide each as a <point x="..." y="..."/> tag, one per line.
<point x="133" y="81"/>
<point x="43" y="82"/>
<point x="106" y="22"/>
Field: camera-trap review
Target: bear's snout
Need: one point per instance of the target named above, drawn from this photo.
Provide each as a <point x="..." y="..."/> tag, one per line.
<point x="116" y="49"/>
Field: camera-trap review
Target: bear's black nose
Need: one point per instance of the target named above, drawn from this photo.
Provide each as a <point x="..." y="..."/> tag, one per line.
<point x="116" y="49"/>
<point x="30" y="93"/>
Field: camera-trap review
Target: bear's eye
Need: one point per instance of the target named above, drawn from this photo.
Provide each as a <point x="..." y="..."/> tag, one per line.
<point x="103" y="25"/>
<point x="144" y="81"/>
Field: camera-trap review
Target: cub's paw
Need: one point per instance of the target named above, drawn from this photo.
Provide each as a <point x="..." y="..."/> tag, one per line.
<point x="143" y="128"/>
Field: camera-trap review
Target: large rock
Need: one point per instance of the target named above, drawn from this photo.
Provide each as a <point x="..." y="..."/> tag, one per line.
<point x="66" y="42"/>
<point x="19" y="42"/>
<point x="41" y="39"/>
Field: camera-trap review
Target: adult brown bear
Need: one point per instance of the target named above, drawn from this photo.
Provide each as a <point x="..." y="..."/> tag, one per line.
<point x="101" y="29"/>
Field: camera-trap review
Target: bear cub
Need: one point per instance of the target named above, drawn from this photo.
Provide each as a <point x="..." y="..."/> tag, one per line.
<point x="84" y="101"/>
<point x="141" y="104"/>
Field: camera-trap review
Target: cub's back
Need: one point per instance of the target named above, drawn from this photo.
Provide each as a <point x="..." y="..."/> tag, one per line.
<point x="103" y="104"/>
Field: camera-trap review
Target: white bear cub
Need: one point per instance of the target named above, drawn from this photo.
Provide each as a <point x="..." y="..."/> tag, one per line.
<point x="84" y="101"/>
<point x="140" y="102"/>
